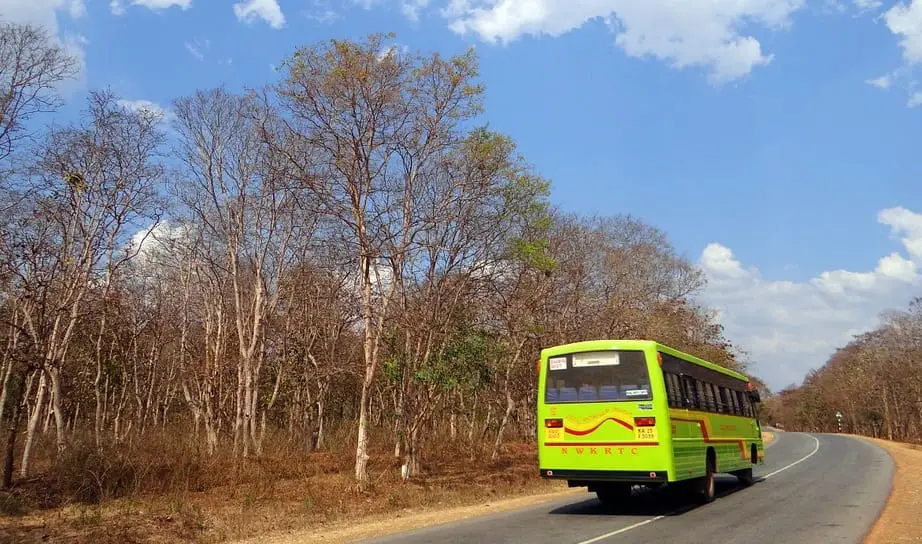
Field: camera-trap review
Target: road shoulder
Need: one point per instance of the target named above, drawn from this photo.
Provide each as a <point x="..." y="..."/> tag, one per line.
<point x="901" y="518"/>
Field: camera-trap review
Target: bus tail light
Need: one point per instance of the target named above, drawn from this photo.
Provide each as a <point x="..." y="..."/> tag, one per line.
<point x="645" y="421"/>
<point x="553" y="423"/>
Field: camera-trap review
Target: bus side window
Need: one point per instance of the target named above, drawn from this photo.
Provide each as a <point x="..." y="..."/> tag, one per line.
<point x="744" y="402"/>
<point x="688" y="392"/>
<point x="722" y="401"/>
<point x="673" y="392"/>
<point x="698" y="394"/>
<point x="731" y="401"/>
<point x="709" y="397"/>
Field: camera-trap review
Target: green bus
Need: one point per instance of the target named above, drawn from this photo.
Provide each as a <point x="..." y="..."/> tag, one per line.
<point x="613" y="414"/>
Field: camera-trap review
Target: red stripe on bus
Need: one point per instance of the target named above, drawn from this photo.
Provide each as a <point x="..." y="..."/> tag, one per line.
<point x="568" y="444"/>
<point x="575" y="432"/>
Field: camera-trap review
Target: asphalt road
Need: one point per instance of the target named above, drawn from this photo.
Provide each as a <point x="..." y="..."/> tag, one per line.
<point x="812" y="489"/>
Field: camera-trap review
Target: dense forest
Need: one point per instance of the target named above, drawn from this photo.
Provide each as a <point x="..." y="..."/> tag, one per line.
<point x="348" y="259"/>
<point x="873" y="382"/>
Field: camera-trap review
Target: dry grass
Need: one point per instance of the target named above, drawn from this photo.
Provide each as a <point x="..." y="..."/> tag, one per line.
<point x="901" y="520"/>
<point x="162" y="490"/>
<point x="767" y="437"/>
<point x="171" y="492"/>
<point x="407" y="520"/>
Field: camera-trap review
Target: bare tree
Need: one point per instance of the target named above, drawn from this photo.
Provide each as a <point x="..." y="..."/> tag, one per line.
<point x="370" y="119"/>
<point x="243" y="198"/>
<point x="31" y="68"/>
<point x="89" y="184"/>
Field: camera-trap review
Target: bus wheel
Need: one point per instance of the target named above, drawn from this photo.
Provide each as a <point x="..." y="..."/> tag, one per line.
<point x="614" y="494"/>
<point x="707" y="491"/>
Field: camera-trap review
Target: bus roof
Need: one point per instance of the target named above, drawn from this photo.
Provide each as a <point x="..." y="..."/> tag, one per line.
<point x="591" y="345"/>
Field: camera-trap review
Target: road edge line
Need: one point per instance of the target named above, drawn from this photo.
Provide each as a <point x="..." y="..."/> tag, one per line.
<point x="816" y="448"/>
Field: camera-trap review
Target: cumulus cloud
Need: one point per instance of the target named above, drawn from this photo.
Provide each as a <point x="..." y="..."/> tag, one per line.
<point x="269" y="11"/>
<point x="790" y="327"/>
<point x="904" y="21"/>
<point x="163" y="243"/>
<point x="697" y="33"/>
<point x="117" y="7"/>
<point x="165" y="114"/>
<point x="47" y="14"/>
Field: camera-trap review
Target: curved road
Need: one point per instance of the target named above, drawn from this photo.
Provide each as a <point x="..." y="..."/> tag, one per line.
<point x="812" y="489"/>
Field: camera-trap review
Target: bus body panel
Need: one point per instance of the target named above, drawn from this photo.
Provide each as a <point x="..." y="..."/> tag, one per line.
<point x="595" y="439"/>
<point x="731" y="436"/>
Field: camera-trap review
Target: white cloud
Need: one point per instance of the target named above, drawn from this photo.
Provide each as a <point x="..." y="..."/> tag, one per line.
<point x="906" y="22"/>
<point x="703" y="33"/>
<point x="915" y="100"/>
<point x="197" y="48"/>
<point x="392" y="49"/>
<point x="867" y="5"/>
<point x="413" y="8"/>
<point x="46" y="14"/>
<point x="790" y="327"/>
<point x="76" y="8"/>
<point x="269" y="11"/>
<point x="882" y="82"/>
<point x="163" y="243"/>
<point x="158" y="5"/>
<point x="141" y="105"/>
<point x="118" y="8"/>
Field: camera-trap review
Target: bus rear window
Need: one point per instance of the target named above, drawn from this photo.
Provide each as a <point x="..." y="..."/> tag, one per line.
<point x="597" y="376"/>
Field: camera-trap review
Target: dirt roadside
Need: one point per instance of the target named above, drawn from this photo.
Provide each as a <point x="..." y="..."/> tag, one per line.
<point x="397" y="522"/>
<point x="407" y="520"/>
<point x="901" y="520"/>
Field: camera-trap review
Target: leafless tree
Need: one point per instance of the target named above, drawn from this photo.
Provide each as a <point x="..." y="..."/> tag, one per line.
<point x="32" y="67"/>
<point x="90" y="183"/>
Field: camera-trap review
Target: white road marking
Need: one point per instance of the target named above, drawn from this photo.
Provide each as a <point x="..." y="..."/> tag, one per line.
<point x="816" y="448"/>
<point x="623" y="530"/>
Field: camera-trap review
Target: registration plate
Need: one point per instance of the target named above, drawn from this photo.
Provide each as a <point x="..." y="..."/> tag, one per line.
<point x="646" y="434"/>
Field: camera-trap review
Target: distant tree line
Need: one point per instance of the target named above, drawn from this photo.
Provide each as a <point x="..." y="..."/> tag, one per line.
<point x="874" y="382"/>
<point x="346" y="250"/>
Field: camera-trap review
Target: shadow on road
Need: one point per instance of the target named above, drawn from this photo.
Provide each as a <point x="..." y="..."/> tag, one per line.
<point x="666" y="501"/>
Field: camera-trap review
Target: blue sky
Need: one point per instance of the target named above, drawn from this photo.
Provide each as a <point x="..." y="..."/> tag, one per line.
<point x="775" y="141"/>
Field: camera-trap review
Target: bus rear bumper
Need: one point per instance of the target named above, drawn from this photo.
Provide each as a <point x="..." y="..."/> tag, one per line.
<point x="582" y="478"/>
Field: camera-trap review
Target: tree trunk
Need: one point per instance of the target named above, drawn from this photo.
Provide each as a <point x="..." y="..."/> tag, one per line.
<point x="370" y="353"/>
<point x="411" y="465"/>
<point x="55" y="374"/>
<point x="13" y="430"/>
<point x="321" y="413"/>
<point x="33" y="426"/>
<point x="510" y="402"/>
<point x="510" y="407"/>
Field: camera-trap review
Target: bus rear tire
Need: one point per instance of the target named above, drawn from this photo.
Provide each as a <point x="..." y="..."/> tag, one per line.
<point x="707" y="489"/>
<point x="614" y="494"/>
